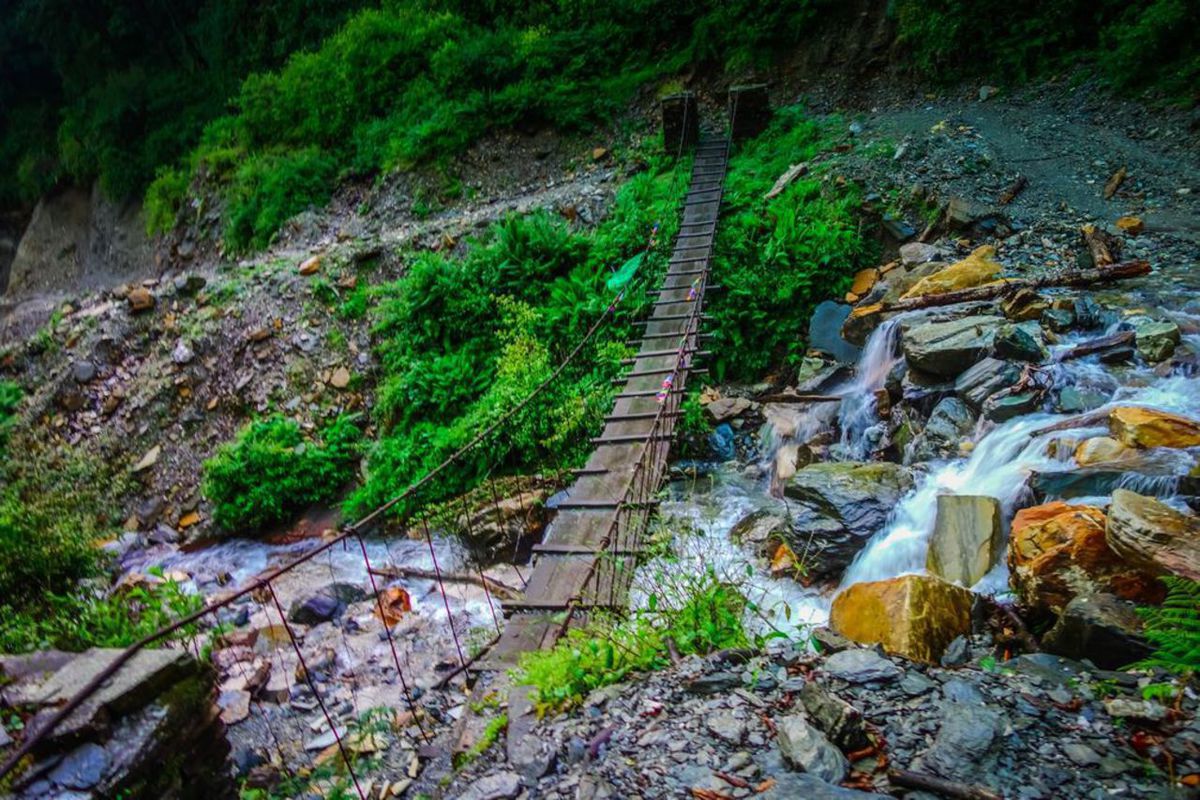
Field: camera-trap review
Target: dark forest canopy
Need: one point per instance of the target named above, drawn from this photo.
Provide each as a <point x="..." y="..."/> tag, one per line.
<point x="275" y="101"/>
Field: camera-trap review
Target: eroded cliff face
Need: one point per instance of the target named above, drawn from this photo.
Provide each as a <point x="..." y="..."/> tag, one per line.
<point x="76" y="239"/>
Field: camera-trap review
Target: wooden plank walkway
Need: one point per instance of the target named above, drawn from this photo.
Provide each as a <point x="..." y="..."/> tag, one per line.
<point x="590" y="549"/>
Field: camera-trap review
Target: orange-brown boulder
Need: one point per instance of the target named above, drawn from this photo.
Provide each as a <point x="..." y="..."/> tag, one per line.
<point x="1134" y="426"/>
<point x="915" y="616"/>
<point x="1058" y="551"/>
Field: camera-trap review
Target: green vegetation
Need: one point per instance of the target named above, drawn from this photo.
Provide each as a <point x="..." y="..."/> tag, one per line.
<point x="491" y="733"/>
<point x="779" y="258"/>
<point x="271" y="471"/>
<point x="10" y="401"/>
<point x="1174" y="628"/>
<point x="701" y="615"/>
<point x="76" y="622"/>
<point x="520" y="299"/>
<point x="1138" y="45"/>
<point x="55" y="504"/>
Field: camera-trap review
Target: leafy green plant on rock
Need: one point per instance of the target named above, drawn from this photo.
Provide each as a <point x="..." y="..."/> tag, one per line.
<point x="271" y="471"/>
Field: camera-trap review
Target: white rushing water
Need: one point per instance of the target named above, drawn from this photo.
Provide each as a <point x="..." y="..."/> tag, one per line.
<point x="857" y="418"/>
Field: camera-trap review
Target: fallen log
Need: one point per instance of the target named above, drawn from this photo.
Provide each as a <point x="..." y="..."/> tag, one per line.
<point x="1104" y="343"/>
<point x="991" y="291"/>
<point x="501" y="590"/>
<point x="1013" y="189"/>
<point x="1088" y="420"/>
<point x="932" y="783"/>
<point x="1103" y="247"/>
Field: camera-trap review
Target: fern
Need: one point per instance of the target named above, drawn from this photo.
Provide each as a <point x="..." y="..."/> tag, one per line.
<point x="1174" y="628"/>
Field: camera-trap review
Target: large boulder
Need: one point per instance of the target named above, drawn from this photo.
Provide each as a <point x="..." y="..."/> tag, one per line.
<point x="506" y="519"/>
<point x="1102" y="628"/>
<point x="838" y="507"/>
<point x="949" y="425"/>
<point x="1135" y="426"/>
<point x="985" y="378"/>
<point x="975" y="270"/>
<point x="1099" y="450"/>
<point x="805" y="748"/>
<point x="1155" y="339"/>
<point x="948" y="348"/>
<point x="1058" y="551"/>
<point x="915" y="616"/>
<point x="1021" y="342"/>
<point x="1153" y="536"/>
<point x="966" y="538"/>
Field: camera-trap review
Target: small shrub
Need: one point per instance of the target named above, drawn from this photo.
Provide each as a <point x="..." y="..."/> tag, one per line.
<point x="164" y="198"/>
<point x="270" y="472"/>
<point x="701" y="615"/>
<point x="75" y="622"/>
<point x="10" y="401"/>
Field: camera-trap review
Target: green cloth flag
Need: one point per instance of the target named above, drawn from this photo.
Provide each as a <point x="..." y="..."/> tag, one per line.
<point x="625" y="274"/>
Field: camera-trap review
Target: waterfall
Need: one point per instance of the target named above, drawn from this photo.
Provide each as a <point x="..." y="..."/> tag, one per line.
<point x="857" y="418"/>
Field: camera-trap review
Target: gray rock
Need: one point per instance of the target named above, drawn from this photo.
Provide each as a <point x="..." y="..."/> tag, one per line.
<point x="326" y="604"/>
<point x="798" y="786"/>
<point x="957" y="690"/>
<point x="966" y="539"/>
<point x="1101" y="628"/>
<point x="727" y="727"/>
<point x="948" y="348"/>
<point x="967" y="735"/>
<point x="839" y="720"/>
<point x="715" y="682"/>
<point x="839" y="506"/>
<point x="914" y="684"/>
<point x="82" y="768"/>
<point x="957" y="653"/>
<point x="497" y="786"/>
<point x="984" y="379"/>
<point x="1004" y="406"/>
<point x="530" y="755"/>
<point x="1081" y="754"/>
<point x="83" y="371"/>
<point x="1126" y="708"/>
<point x="825" y="332"/>
<point x="950" y="423"/>
<point x="1059" y="320"/>
<point x="1155" y="339"/>
<point x="1017" y="343"/>
<point x="806" y="748"/>
<point x="182" y="354"/>
<point x="861" y="666"/>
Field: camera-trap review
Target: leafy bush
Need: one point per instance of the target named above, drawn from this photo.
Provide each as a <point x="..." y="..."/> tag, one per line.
<point x="779" y="258"/>
<point x="10" y="401"/>
<point x="1174" y="628"/>
<point x="75" y="622"/>
<point x="704" y="616"/>
<point x="270" y="471"/>
<point x="164" y="198"/>
<point x="521" y="298"/>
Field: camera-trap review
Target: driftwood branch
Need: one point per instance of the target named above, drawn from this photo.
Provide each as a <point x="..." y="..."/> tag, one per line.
<point x="501" y="590"/>
<point x="991" y="291"/>
<point x="1013" y="189"/>
<point x="1104" y="248"/>
<point x="932" y="783"/>
<point x="1089" y="420"/>
<point x="1103" y="344"/>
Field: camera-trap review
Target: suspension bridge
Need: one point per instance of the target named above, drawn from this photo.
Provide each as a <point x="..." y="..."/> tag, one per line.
<point x="590" y="550"/>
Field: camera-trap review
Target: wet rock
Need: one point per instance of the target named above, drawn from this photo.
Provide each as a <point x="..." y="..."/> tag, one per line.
<point x="761" y="530"/>
<point x="839" y="506"/>
<point x="949" y="348"/>
<point x="1101" y="628"/>
<point x="1099" y="450"/>
<point x="1135" y="426"/>
<point x="1024" y="305"/>
<point x="949" y="425"/>
<point x="1059" y="320"/>
<point x="494" y="531"/>
<point x="1017" y="343"/>
<point x="82" y="768"/>
<point x="720" y="442"/>
<point x="825" y="332"/>
<point x="975" y="270"/>
<point x="325" y="604"/>
<point x="915" y="616"/>
<point x="966" y="538"/>
<point x="1006" y="405"/>
<point x="919" y="253"/>
<point x="984" y="379"/>
<point x="860" y="665"/>
<point x="1059" y="551"/>
<point x="1153" y="536"/>
<point x="805" y="748"/>
<point x="1156" y="339"/>
<point x="839" y="720"/>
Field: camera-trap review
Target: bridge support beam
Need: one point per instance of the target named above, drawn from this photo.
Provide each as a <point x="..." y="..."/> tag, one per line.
<point x="680" y="122"/>
<point x="750" y="110"/>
